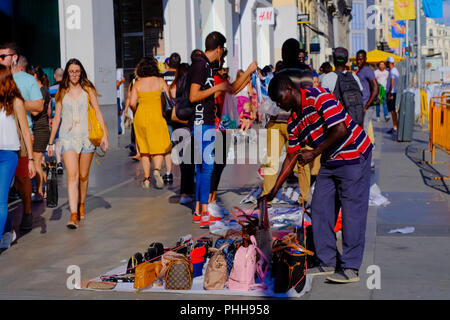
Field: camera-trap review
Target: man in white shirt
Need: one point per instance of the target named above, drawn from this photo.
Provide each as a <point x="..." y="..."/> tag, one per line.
<point x="382" y="76"/>
<point x="391" y="93"/>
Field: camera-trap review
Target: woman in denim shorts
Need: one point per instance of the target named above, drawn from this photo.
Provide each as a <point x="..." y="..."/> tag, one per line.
<point x="71" y="111"/>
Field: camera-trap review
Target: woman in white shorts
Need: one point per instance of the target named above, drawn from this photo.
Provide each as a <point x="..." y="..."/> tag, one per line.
<point x="71" y="111"/>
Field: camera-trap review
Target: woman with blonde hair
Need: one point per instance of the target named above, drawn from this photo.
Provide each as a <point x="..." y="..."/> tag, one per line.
<point x="152" y="133"/>
<point x="74" y="96"/>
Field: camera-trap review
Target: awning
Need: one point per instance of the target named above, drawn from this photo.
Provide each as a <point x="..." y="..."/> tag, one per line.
<point x="376" y="56"/>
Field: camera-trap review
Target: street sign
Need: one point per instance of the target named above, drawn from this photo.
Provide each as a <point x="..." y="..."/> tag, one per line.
<point x="314" y="48"/>
<point x="302" y="18"/>
<point x="265" y="16"/>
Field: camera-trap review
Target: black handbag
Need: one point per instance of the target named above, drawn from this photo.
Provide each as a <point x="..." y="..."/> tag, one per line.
<point x="183" y="108"/>
<point x="154" y="252"/>
<point x="52" y="184"/>
<point x="133" y="262"/>
<point x="290" y="270"/>
<point x="167" y="106"/>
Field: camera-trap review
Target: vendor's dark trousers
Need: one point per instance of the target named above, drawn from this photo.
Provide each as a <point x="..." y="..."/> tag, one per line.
<point x="348" y="187"/>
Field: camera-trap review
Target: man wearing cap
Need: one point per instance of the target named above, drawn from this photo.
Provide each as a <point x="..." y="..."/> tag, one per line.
<point x="348" y="85"/>
<point x="340" y="59"/>
<point x="391" y="92"/>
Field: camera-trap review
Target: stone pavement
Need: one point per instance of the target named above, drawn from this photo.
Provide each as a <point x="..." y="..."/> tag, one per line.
<point x="122" y="218"/>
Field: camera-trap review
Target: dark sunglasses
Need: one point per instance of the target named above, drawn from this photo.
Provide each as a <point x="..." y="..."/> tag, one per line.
<point x="3" y="56"/>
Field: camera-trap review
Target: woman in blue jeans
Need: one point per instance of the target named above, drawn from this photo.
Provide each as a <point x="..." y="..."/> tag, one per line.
<point x="11" y="107"/>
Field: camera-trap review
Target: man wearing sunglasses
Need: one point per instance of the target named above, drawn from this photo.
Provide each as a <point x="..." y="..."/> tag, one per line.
<point x="34" y="104"/>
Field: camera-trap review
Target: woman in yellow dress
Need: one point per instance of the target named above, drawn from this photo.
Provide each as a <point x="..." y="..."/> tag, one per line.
<point x="152" y="133"/>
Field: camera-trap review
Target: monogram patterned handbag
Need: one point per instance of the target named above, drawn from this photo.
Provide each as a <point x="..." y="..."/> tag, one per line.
<point x="179" y="275"/>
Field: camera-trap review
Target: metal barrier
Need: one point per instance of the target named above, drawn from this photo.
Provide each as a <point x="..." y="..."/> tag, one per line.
<point x="439" y="124"/>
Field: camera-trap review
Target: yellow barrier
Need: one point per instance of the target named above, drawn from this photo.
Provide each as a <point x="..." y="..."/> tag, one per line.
<point x="424" y="108"/>
<point x="440" y="126"/>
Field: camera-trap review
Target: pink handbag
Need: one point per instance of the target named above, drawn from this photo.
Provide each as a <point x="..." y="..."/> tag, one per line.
<point x="245" y="266"/>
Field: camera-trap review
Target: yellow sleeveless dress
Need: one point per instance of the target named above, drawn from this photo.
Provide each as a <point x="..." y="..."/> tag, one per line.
<point x="152" y="133"/>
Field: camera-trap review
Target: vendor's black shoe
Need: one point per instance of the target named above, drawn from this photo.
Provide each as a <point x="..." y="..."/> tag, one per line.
<point x="344" y="276"/>
<point x="168" y="178"/>
<point x="27" y="223"/>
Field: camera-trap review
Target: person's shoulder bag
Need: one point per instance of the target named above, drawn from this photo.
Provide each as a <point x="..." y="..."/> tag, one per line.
<point x="95" y="129"/>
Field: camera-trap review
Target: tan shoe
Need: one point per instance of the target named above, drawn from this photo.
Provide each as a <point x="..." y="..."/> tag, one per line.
<point x="82" y="214"/>
<point x="73" y="222"/>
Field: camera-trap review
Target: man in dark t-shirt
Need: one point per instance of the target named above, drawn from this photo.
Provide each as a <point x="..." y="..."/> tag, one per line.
<point x="201" y="95"/>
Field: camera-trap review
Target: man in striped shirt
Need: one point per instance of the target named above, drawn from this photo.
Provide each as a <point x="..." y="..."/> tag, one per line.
<point x="319" y="121"/>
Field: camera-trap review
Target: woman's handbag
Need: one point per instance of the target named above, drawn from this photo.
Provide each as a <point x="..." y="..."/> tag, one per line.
<point x="290" y="269"/>
<point x="167" y="106"/>
<point x="146" y="273"/>
<point x="52" y="184"/>
<point x="95" y="129"/>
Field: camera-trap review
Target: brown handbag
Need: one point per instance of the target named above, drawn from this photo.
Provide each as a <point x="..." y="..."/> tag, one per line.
<point x="146" y="273"/>
<point x="216" y="271"/>
<point x="179" y="275"/>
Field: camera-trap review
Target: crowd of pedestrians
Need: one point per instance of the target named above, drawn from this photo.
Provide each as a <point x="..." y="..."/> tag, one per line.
<point x="322" y="121"/>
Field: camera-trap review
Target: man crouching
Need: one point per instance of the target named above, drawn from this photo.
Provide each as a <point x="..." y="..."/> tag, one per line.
<point x="320" y="121"/>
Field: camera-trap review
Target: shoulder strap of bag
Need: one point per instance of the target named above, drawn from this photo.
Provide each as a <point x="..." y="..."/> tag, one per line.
<point x="23" y="149"/>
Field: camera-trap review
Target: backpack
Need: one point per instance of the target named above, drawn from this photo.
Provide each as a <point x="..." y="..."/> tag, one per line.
<point x="245" y="266"/>
<point x="347" y="91"/>
<point x="183" y="107"/>
<point x="216" y="272"/>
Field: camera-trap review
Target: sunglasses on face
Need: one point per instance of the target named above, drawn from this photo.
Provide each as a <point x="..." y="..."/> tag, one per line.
<point x="3" y="56"/>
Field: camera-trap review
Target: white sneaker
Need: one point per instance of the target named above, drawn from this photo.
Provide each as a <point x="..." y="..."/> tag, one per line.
<point x="215" y="211"/>
<point x="186" y="200"/>
<point x="7" y="239"/>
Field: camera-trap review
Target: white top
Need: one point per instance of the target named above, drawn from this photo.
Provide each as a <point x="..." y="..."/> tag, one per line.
<point x="74" y="130"/>
<point x="9" y="140"/>
<point x="243" y="93"/>
<point x="329" y="81"/>
<point x="382" y="77"/>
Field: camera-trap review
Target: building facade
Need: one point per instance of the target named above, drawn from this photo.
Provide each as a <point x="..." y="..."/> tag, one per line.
<point x="437" y="41"/>
<point x="362" y="27"/>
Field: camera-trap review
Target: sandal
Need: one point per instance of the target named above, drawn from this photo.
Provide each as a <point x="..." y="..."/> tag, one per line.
<point x="73" y="222"/>
<point x="146" y="183"/>
<point x="82" y="214"/>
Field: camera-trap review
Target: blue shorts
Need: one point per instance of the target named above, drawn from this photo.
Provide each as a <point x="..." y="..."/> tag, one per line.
<point x="83" y="147"/>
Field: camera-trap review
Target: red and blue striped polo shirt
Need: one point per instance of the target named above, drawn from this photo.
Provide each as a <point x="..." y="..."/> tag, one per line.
<point x="321" y="111"/>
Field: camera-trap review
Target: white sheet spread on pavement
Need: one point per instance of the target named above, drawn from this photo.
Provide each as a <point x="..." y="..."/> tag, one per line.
<point x="197" y="287"/>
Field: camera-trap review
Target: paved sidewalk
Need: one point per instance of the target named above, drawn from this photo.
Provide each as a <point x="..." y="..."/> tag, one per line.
<point x="122" y="218"/>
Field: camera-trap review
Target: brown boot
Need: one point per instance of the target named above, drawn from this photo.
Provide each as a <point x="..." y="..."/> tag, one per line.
<point x="73" y="222"/>
<point x="82" y="215"/>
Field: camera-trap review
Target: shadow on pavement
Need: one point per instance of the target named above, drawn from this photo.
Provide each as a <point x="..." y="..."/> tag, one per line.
<point x="428" y="172"/>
